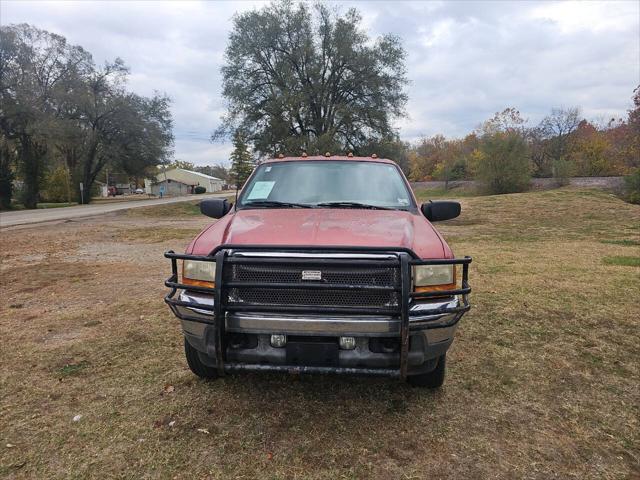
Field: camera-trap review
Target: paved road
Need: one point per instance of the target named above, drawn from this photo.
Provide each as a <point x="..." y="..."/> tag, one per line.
<point x="24" y="217"/>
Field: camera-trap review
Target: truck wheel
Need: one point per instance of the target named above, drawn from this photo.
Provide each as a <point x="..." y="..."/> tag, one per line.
<point x="196" y="365"/>
<point x="433" y="379"/>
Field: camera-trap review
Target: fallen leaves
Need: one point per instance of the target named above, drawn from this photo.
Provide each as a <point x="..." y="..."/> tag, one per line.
<point x="166" y="421"/>
<point x="168" y="388"/>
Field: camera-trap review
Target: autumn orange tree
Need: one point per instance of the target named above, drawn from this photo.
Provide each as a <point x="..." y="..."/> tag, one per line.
<point x="632" y="181"/>
<point x="501" y="163"/>
<point x="589" y="152"/>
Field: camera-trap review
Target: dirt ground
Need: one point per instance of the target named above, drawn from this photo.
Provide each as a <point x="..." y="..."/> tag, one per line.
<point x="543" y="379"/>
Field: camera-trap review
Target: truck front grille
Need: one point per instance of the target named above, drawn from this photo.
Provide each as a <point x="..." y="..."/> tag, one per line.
<point x="301" y="295"/>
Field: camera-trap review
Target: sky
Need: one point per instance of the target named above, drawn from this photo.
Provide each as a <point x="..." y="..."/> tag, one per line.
<point x="466" y="60"/>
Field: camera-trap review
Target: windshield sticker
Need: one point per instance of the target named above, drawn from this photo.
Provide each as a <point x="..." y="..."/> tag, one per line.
<point x="268" y="169"/>
<point x="260" y="190"/>
<point x="403" y="201"/>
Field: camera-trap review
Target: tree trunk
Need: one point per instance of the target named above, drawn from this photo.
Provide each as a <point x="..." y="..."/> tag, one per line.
<point x="87" y="177"/>
<point x="6" y="178"/>
<point x="86" y="190"/>
<point x="31" y="155"/>
<point x="88" y="182"/>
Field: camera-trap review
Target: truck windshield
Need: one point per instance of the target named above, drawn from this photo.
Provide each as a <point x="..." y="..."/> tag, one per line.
<point x="326" y="184"/>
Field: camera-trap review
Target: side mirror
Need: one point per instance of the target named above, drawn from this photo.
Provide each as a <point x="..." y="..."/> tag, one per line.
<point x="439" y="211"/>
<point x="215" y="207"/>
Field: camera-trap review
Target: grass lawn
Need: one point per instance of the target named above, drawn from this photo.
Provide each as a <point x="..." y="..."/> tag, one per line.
<point x="424" y="194"/>
<point x="169" y="210"/>
<point x="543" y="379"/>
<point x="19" y="206"/>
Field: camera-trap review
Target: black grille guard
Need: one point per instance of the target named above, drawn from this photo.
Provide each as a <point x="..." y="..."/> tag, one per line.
<point x="404" y="259"/>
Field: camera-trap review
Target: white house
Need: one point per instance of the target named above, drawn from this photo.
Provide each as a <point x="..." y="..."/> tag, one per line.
<point x="179" y="181"/>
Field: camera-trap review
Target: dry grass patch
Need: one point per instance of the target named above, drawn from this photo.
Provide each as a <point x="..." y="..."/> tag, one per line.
<point x="543" y="378"/>
<point x="170" y="210"/>
<point x="167" y="210"/>
<point x="155" y="234"/>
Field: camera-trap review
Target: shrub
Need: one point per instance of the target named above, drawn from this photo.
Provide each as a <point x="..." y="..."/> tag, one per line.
<point x="562" y="170"/>
<point x="56" y="186"/>
<point x="502" y="164"/>
<point x="199" y="189"/>
<point x="632" y="187"/>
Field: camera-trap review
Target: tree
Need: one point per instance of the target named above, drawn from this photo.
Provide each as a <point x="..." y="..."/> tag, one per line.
<point x="589" y="150"/>
<point x="501" y="163"/>
<point x="540" y="161"/>
<point x="557" y="129"/>
<point x="634" y="135"/>
<point x="620" y="150"/>
<point x="218" y="171"/>
<point x="106" y="125"/>
<point x="632" y="187"/>
<point x="57" y="107"/>
<point x="300" y="78"/>
<point x="452" y="164"/>
<point x="509" y="120"/>
<point x="182" y="164"/>
<point x="7" y="160"/>
<point x="426" y="156"/>
<point x="101" y="107"/>
<point x="33" y="66"/>
<point x="144" y="137"/>
<point x="390" y="147"/>
<point x="56" y="185"/>
<point x="241" y="161"/>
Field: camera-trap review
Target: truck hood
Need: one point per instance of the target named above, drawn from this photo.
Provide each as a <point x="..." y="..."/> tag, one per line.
<point x="324" y="227"/>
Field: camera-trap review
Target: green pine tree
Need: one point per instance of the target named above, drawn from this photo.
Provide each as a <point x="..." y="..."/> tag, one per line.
<point x="241" y="161"/>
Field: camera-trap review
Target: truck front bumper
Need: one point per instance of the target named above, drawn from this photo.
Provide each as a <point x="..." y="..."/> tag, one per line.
<point x="430" y="335"/>
<point x="407" y="342"/>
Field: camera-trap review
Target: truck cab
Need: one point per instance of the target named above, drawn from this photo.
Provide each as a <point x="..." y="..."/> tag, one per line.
<point x="325" y="264"/>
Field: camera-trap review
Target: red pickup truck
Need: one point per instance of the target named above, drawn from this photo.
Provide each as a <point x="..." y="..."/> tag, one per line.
<point x="324" y="265"/>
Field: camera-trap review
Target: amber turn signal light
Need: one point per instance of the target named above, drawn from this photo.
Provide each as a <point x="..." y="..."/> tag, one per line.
<point x="436" y="288"/>
<point x="198" y="283"/>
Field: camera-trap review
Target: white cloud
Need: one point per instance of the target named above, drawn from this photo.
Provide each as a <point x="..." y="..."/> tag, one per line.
<point x="595" y="16"/>
<point x="466" y="59"/>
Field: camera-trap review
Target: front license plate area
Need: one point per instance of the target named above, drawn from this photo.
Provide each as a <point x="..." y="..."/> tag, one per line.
<point x="312" y="353"/>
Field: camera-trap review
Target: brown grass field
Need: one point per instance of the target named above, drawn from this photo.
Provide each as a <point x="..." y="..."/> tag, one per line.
<point x="543" y="378"/>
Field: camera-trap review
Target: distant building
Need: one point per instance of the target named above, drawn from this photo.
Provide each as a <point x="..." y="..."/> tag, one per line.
<point x="179" y="181"/>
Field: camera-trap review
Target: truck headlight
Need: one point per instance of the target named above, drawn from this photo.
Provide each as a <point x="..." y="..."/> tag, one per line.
<point x="199" y="273"/>
<point x="434" y="277"/>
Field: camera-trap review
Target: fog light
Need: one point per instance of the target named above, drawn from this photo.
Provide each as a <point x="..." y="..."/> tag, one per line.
<point x="347" y="343"/>
<point x="278" y="341"/>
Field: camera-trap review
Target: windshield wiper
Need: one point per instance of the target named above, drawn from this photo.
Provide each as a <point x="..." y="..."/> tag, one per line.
<point x="275" y="204"/>
<point x="352" y="205"/>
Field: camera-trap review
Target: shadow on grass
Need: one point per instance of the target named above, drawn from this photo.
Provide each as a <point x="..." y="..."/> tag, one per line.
<point x="322" y="403"/>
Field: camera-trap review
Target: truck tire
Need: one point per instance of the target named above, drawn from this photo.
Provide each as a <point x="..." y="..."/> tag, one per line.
<point x="196" y="365"/>
<point x="433" y="379"/>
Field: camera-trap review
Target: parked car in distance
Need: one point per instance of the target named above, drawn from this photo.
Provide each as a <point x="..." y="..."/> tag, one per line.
<point x="324" y="265"/>
<point x="139" y="191"/>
